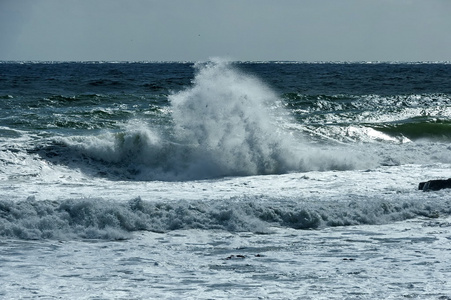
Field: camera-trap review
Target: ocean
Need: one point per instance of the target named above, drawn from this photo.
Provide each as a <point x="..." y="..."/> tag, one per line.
<point x="224" y="180"/>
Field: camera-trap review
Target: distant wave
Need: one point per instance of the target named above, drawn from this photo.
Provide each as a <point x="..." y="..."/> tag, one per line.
<point x="433" y="130"/>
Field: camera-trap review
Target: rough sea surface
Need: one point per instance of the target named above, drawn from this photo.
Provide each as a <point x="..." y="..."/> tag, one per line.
<point x="224" y="180"/>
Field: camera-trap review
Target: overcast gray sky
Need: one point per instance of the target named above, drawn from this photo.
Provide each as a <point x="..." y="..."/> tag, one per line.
<point x="155" y="30"/>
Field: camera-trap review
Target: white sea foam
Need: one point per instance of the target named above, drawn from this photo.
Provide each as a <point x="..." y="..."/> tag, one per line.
<point x="394" y="261"/>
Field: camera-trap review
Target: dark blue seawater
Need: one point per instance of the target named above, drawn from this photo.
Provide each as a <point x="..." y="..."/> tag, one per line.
<point x="93" y="95"/>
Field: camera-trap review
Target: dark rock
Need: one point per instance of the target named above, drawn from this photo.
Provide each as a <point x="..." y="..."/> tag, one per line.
<point x="435" y="185"/>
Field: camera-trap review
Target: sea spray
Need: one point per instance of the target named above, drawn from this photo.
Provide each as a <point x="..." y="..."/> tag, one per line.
<point x="226" y="119"/>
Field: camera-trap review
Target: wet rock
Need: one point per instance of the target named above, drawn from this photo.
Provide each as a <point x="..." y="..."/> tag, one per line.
<point x="435" y="185"/>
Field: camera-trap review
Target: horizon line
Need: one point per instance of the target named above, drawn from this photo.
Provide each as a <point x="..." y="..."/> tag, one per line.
<point x="235" y="61"/>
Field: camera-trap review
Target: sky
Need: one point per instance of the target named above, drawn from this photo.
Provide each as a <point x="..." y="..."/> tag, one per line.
<point x="242" y="30"/>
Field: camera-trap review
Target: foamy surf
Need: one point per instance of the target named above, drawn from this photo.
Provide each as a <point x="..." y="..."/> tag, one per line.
<point x="65" y="209"/>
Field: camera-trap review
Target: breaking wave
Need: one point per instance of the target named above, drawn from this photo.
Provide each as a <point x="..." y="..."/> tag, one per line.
<point x="102" y="219"/>
<point x="226" y="124"/>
